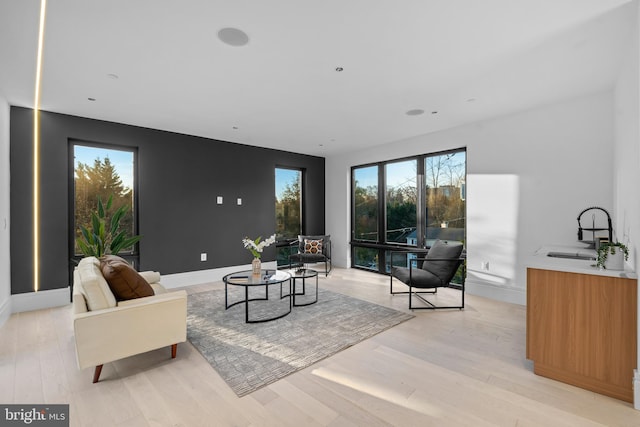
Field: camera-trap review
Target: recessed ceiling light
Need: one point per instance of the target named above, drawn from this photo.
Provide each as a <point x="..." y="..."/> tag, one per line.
<point x="233" y="36"/>
<point x="339" y="69"/>
<point x="415" y="112"/>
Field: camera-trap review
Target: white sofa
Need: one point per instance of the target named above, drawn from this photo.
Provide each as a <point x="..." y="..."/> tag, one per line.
<point x="106" y="330"/>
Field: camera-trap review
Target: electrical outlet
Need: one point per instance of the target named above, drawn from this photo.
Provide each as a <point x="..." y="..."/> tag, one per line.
<point x="203" y="256"/>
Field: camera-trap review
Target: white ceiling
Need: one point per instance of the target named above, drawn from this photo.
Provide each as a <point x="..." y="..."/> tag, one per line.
<point x="282" y="91"/>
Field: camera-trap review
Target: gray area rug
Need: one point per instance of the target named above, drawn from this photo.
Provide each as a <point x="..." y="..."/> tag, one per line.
<point x="250" y="356"/>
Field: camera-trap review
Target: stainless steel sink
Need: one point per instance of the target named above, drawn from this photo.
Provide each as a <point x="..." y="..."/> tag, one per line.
<point x="571" y="255"/>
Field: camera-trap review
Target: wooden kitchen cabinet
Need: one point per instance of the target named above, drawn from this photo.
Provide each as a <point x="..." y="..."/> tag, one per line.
<point x="581" y="330"/>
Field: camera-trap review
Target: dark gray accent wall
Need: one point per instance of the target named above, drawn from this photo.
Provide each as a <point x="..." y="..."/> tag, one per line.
<point x="179" y="178"/>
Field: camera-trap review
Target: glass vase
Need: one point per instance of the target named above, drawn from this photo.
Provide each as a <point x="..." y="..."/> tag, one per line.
<point x="256" y="266"/>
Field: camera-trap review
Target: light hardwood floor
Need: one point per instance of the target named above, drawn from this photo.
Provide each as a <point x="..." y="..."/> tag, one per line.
<point x="444" y="368"/>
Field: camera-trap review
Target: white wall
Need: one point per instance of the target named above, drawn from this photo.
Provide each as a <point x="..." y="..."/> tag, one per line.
<point x="5" y="276"/>
<point x="627" y="161"/>
<point x="529" y="175"/>
<point x="627" y="151"/>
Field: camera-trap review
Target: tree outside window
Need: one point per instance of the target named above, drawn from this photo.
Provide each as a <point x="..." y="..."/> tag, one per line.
<point x="423" y="199"/>
<point x="365" y="201"/>
<point x="101" y="173"/>
<point x="288" y="211"/>
<point x="288" y="203"/>
<point x="401" y="199"/>
<point x="445" y="202"/>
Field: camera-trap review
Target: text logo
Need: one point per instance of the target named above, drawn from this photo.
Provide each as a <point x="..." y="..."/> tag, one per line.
<point x="34" y="415"/>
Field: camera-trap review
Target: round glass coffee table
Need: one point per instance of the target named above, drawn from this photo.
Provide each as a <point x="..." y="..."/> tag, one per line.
<point x="300" y="276"/>
<point x="258" y="295"/>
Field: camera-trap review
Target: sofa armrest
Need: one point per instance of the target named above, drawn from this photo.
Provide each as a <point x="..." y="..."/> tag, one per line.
<point x="147" y="324"/>
<point x="150" y="276"/>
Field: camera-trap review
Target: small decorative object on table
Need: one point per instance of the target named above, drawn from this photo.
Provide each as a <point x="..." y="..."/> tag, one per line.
<point x="610" y="256"/>
<point x="256" y="247"/>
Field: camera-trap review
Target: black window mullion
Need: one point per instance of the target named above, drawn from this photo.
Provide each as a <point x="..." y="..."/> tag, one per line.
<point x="382" y="205"/>
<point x="382" y="215"/>
<point x="421" y="230"/>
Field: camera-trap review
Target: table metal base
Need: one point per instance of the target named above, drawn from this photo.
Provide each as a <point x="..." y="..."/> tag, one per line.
<point x="257" y="283"/>
<point x="302" y="276"/>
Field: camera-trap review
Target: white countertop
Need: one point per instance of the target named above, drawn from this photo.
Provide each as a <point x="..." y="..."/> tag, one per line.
<point x="542" y="261"/>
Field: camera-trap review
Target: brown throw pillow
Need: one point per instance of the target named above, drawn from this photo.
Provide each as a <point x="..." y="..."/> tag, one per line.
<point x="124" y="281"/>
<point x="312" y="246"/>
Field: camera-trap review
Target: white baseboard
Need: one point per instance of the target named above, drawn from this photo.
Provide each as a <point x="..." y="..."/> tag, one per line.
<point x="42" y="299"/>
<point x="58" y="297"/>
<point x="511" y="295"/>
<point x="191" y="278"/>
<point x="636" y="389"/>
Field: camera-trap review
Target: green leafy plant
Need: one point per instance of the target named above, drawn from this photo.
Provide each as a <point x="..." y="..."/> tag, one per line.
<point x="103" y="239"/>
<point x="610" y="248"/>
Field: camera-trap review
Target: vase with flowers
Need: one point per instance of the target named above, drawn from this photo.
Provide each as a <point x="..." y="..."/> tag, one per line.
<point x="256" y="246"/>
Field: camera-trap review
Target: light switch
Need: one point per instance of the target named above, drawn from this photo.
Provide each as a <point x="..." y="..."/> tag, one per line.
<point x="219" y="200"/>
<point x="239" y="201"/>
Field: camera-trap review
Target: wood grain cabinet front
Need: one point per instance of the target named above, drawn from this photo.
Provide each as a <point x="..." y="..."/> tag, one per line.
<point x="581" y="330"/>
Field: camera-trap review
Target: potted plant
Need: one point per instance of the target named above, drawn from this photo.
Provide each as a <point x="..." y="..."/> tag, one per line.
<point x="611" y="256"/>
<point x="103" y="239"/>
<point x="256" y="247"/>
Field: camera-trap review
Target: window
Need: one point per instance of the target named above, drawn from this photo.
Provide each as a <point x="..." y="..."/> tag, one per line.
<point x="421" y="198"/>
<point x="444" y="196"/>
<point x="365" y="215"/>
<point x="401" y="202"/>
<point x="102" y="172"/>
<point x="365" y="203"/>
<point x="288" y="210"/>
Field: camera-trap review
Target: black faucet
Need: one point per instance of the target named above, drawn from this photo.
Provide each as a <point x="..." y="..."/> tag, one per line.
<point x="593" y="228"/>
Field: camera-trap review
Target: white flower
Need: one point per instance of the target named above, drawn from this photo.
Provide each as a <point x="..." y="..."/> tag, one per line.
<point x="256" y="246"/>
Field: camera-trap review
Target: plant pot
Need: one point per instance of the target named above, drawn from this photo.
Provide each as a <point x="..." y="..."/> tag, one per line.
<point x="615" y="261"/>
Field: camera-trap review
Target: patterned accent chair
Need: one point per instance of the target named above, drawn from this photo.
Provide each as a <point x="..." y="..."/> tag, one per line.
<point x="312" y="249"/>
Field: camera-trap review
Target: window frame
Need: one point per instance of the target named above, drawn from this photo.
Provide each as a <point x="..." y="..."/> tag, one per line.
<point x="381" y="246"/>
<point x="383" y="166"/>
<point x="132" y="257"/>
<point x="285" y="244"/>
<point x="353" y="205"/>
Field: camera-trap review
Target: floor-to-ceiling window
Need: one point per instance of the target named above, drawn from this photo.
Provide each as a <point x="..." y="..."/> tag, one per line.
<point x="401" y="198"/>
<point x="406" y="203"/>
<point x="288" y="210"/>
<point x="101" y="171"/>
<point x="365" y="215"/>
<point x="445" y="196"/>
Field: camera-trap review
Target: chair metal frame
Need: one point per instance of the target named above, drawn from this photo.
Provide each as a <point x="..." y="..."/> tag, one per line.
<point x="430" y="306"/>
<point x="326" y="252"/>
